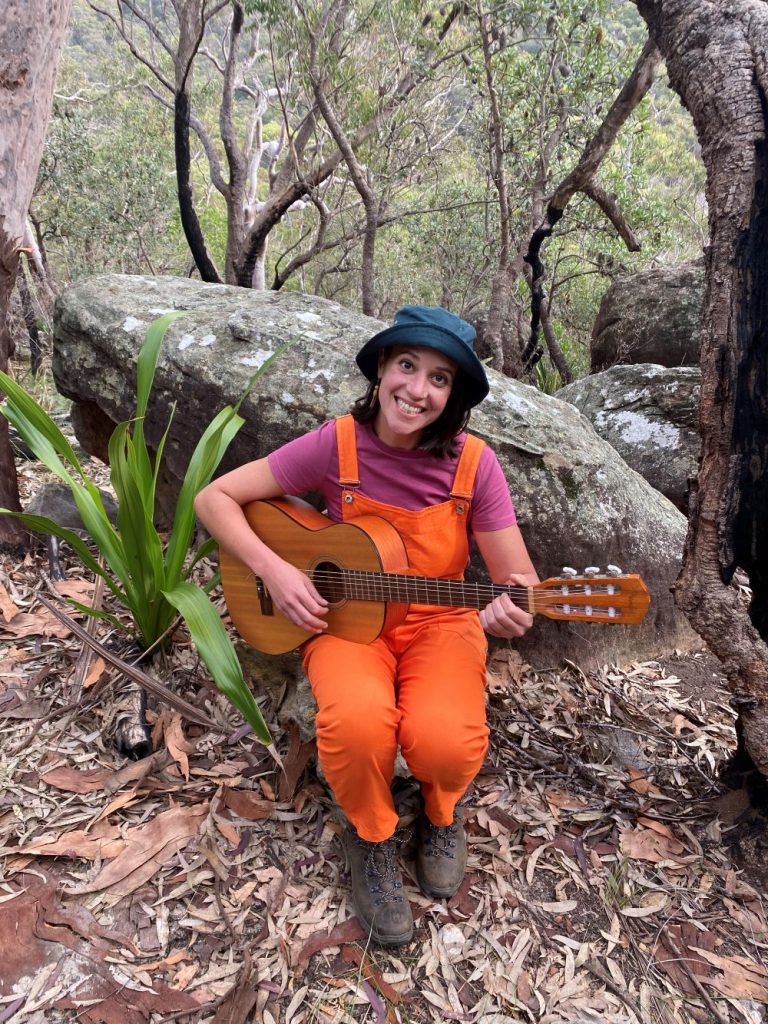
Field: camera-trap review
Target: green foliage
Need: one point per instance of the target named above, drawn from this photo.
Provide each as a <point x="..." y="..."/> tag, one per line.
<point x="147" y="575"/>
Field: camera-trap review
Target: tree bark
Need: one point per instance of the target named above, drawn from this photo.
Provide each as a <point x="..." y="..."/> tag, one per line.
<point x="715" y="53"/>
<point x="31" y="40"/>
<point x="191" y="28"/>
<point x="30" y="321"/>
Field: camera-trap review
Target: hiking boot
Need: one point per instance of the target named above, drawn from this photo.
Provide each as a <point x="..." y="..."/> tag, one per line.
<point x="441" y="857"/>
<point x="377" y="890"/>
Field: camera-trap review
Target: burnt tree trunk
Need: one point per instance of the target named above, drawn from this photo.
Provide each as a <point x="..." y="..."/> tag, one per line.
<point x="715" y="53"/>
<point x="191" y="28"/>
<point x="31" y="41"/>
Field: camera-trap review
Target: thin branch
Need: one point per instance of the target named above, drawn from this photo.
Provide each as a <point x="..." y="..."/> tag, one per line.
<point x="583" y="174"/>
<point x="612" y="211"/>
<point x="119" y="25"/>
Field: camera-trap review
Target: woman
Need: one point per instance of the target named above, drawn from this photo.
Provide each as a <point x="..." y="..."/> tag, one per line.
<point x="401" y="454"/>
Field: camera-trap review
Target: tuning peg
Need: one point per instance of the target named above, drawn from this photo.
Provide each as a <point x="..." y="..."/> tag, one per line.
<point x="592" y="570"/>
<point x="614" y="570"/>
<point x="568" y="571"/>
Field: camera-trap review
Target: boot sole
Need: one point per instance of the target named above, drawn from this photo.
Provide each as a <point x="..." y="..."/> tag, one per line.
<point x="384" y="940"/>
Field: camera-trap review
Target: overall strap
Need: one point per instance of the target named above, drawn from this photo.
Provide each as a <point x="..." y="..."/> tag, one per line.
<point x="347" y="445"/>
<point x="464" y="478"/>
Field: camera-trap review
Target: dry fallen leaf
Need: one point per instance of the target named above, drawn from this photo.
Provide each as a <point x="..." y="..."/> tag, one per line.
<point x="102" y="843"/>
<point x="178" y="746"/>
<point x="649" y="844"/>
<point x="72" y="780"/>
<point x="8" y="609"/>
<point x="146" y="848"/>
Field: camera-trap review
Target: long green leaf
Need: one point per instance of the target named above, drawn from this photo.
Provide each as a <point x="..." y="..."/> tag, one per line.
<point x="205" y="459"/>
<point x="202" y="465"/>
<point x="41" y="524"/>
<point x="146" y="365"/>
<point x="202" y="552"/>
<point x="38" y="429"/>
<point x="216" y="650"/>
<point x="141" y="540"/>
<point x="103" y="533"/>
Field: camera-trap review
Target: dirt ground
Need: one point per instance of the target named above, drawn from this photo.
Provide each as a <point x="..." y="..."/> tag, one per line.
<point x="613" y="876"/>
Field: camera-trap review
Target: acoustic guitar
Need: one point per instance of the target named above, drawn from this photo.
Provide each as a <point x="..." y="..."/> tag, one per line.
<point x="361" y="569"/>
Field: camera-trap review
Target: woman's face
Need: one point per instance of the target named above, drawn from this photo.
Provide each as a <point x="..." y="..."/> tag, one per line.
<point x="414" y="386"/>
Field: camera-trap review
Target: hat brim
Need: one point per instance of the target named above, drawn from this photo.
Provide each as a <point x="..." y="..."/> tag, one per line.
<point x="426" y="336"/>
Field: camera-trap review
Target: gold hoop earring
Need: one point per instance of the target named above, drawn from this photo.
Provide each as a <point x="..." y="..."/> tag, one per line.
<point x="374" y="395"/>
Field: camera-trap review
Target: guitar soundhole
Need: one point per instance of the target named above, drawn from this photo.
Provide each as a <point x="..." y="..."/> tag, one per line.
<point x="328" y="580"/>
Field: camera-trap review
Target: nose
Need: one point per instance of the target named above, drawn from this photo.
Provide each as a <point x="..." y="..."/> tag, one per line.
<point x="417" y="385"/>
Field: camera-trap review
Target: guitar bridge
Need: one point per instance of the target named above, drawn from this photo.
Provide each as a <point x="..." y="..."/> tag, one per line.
<point x="265" y="601"/>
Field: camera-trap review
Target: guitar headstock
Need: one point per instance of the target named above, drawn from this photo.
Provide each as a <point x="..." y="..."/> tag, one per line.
<point x="617" y="598"/>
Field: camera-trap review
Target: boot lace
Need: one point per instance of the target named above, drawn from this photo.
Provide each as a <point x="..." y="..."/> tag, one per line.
<point x="439" y="840"/>
<point x="381" y="870"/>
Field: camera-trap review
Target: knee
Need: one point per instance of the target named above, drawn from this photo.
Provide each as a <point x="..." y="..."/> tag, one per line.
<point x="443" y="747"/>
<point x="355" y="724"/>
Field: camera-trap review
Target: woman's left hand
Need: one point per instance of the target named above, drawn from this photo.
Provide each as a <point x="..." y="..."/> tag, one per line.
<point x="503" y="618"/>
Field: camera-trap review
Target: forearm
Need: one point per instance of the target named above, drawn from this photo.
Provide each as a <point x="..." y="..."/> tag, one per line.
<point x="225" y="520"/>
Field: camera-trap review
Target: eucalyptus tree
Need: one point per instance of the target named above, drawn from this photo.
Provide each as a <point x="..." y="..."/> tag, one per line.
<point x="715" y="52"/>
<point x="31" y="40"/>
<point x="254" y="57"/>
<point x="543" y="76"/>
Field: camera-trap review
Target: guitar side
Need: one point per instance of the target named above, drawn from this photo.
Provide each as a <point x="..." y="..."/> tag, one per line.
<point x="307" y="539"/>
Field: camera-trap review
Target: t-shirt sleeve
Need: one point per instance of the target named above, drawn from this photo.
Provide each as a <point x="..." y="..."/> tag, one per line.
<point x="492" y="507"/>
<point x="302" y="464"/>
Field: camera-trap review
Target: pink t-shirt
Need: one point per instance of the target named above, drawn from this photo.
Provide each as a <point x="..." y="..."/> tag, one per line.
<point x="409" y="479"/>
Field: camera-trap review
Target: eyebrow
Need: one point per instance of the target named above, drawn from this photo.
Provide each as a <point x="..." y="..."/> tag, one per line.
<point x="414" y="355"/>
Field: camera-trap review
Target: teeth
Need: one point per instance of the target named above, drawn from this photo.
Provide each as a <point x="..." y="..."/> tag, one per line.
<point x="407" y="408"/>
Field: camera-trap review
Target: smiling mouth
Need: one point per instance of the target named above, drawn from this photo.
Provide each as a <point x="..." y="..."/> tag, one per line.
<point x="405" y="407"/>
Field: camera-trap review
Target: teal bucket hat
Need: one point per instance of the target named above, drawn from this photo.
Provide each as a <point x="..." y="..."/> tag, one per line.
<point x="429" y="327"/>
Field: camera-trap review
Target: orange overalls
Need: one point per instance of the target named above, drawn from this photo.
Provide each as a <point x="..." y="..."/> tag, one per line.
<point x="420" y="686"/>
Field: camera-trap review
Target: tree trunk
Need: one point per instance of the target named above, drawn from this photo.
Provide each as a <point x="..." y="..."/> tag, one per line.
<point x="31" y="40"/>
<point x="30" y="321"/>
<point x="191" y="29"/>
<point x="715" y="53"/>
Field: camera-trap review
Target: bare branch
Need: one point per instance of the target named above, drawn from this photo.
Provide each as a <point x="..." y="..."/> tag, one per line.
<point x="582" y="176"/>
<point x="357" y="173"/>
<point x="612" y="211"/>
<point x="317" y="246"/>
<point x="120" y="26"/>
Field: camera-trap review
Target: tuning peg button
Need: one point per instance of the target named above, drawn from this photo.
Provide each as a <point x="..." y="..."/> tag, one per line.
<point x="568" y="571"/>
<point x="592" y="570"/>
<point x="614" y="570"/>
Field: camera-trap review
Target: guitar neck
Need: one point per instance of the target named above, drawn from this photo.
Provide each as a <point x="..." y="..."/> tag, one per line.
<point x="358" y="585"/>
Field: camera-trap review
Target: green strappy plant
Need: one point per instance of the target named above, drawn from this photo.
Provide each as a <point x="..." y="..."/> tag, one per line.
<point x="146" y="572"/>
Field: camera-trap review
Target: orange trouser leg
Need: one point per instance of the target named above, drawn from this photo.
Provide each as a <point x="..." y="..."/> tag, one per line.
<point x="435" y="711"/>
<point x="357" y="721"/>
<point x="441" y="695"/>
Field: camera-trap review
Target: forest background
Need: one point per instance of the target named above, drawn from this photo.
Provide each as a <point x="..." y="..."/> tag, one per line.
<point x="486" y="112"/>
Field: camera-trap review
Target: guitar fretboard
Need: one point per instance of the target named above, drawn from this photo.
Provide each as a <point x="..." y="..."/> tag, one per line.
<point x="358" y="585"/>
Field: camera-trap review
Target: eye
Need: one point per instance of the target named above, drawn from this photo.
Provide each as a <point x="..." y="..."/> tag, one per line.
<point x="441" y="380"/>
<point x="406" y="364"/>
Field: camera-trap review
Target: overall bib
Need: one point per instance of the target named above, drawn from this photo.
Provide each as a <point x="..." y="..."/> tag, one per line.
<point x="420" y="686"/>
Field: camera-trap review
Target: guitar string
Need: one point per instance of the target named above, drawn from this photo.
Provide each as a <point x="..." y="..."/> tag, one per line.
<point x="360" y="585"/>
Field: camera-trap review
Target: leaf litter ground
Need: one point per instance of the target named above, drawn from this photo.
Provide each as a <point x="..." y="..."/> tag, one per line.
<point x="612" y="877"/>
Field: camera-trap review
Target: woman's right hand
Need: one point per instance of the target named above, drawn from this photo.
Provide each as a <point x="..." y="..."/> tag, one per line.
<point x="293" y="593"/>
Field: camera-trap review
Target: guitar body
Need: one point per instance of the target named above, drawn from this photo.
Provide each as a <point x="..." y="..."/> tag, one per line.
<point x="309" y="541"/>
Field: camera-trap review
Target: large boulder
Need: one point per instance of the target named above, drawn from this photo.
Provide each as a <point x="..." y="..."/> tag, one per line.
<point x="650" y="317"/>
<point x="649" y="414"/>
<point x="577" y="500"/>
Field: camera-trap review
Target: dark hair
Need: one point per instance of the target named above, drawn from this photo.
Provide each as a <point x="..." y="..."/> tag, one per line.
<point x="439" y="438"/>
